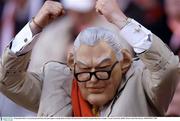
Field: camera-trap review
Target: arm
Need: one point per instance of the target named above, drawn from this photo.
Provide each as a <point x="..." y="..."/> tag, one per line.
<point x="16" y="82"/>
<point x="159" y="60"/>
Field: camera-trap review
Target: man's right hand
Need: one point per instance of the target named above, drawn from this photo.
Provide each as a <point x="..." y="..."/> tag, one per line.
<point x="49" y="12"/>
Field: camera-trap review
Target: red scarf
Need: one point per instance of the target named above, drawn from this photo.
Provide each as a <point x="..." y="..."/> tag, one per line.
<point x="80" y="107"/>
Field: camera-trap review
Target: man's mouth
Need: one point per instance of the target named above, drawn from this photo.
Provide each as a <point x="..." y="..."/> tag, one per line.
<point x="95" y="89"/>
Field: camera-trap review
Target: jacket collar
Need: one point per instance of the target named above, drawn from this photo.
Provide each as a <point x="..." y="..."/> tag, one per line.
<point x="107" y="109"/>
<point x="126" y="77"/>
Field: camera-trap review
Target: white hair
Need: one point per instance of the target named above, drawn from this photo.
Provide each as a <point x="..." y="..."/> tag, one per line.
<point x="93" y="35"/>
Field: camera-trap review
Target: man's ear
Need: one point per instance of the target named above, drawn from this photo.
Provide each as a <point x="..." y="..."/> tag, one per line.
<point x="127" y="60"/>
<point x="70" y="60"/>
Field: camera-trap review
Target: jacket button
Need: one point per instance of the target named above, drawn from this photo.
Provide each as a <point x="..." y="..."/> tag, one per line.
<point x="137" y="29"/>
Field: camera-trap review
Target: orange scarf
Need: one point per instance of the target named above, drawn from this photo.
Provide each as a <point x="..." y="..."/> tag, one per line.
<point x="80" y="107"/>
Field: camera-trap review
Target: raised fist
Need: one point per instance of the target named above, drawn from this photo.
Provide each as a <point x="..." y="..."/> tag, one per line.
<point x="110" y="10"/>
<point x="48" y="12"/>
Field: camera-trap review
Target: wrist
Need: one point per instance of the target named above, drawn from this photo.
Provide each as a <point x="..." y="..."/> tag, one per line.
<point x="119" y="20"/>
<point x="35" y="28"/>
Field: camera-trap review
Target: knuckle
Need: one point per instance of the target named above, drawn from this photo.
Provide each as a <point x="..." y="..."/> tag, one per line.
<point x="46" y="2"/>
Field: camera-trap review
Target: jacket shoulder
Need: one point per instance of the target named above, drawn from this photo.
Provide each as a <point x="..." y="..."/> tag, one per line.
<point x="58" y="66"/>
<point x="56" y="90"/>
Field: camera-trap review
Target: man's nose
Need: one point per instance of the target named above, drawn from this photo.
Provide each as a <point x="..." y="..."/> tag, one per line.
<point x="93" y="79"/>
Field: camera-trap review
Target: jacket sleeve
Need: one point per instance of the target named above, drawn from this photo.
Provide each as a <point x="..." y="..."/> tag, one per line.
<point x="160" y="75"/>
<point x="16" y="83"/>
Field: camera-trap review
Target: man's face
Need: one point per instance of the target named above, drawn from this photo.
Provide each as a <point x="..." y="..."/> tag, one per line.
<point x="98" y="58"/>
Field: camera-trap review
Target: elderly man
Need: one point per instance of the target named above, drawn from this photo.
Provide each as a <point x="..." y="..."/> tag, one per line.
<point x="100" y="78"/>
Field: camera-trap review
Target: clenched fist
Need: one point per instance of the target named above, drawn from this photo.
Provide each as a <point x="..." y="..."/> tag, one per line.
<point x="48" y="12"/>
<point x="111" y="11"/>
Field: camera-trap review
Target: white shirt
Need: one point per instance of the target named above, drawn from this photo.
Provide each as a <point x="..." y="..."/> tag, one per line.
<point x="134" y="33"/>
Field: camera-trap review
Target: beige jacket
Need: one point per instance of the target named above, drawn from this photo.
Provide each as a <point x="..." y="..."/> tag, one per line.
<point x="146" y="90"/>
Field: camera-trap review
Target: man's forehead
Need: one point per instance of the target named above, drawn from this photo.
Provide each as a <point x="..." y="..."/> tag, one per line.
<point x="98" y="53"/>
<point x="97" y="61"/>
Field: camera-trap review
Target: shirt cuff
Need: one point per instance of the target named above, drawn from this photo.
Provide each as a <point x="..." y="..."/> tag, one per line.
<point x="137" y="36"/>
<point x="22" y="43"/>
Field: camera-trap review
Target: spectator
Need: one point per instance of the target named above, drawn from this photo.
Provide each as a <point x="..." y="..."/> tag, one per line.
<point x="173" y="13"/>
<point x="15" y="15"/>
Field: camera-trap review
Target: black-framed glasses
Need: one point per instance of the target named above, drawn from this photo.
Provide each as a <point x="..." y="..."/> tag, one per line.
<point x="100" y="74"/>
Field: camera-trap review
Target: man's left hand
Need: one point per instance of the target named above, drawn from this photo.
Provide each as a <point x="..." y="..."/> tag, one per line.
<point x="111" y="11"/>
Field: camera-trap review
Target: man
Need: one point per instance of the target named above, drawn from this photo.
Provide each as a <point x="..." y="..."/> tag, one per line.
<point x="101" y="79"/>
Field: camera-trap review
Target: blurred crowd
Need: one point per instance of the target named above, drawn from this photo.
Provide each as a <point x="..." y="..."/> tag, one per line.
<point x="162" y="17"/>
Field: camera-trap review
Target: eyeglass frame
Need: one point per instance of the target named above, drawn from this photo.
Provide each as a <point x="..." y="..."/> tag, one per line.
<point x="94" y="73"/>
